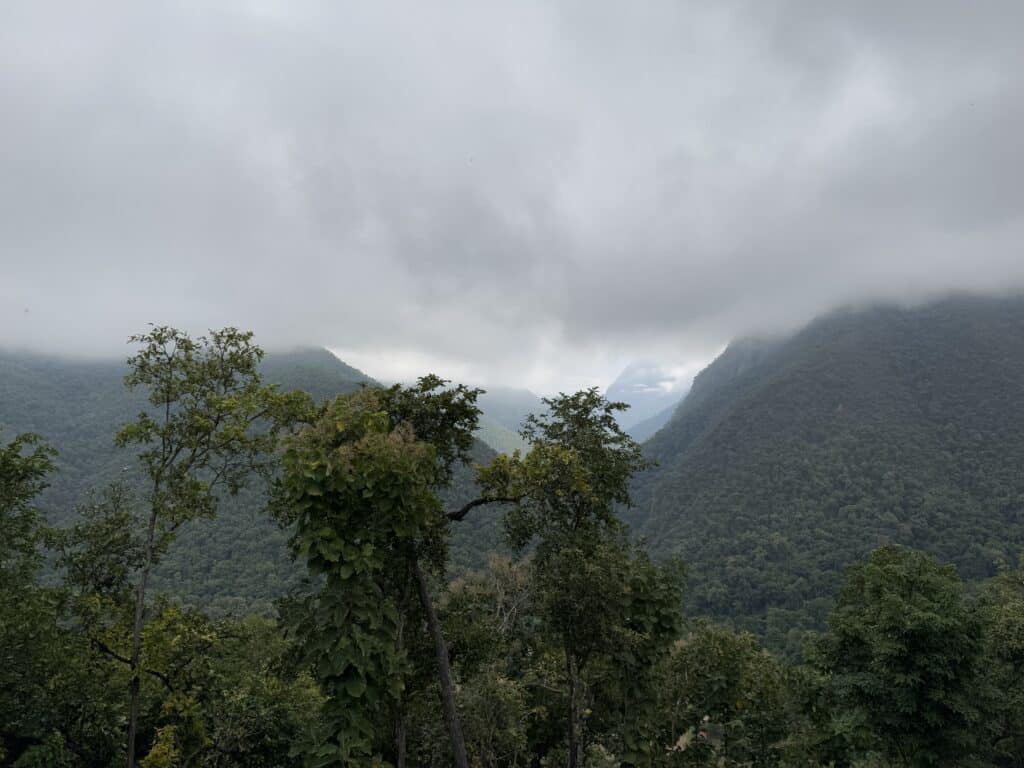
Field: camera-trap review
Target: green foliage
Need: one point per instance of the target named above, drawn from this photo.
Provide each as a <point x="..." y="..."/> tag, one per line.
<point x="442" y="415"/>
<point x="233" y="563"/>
<point x="490" y="617"/>
<point x="101" y="553"/>
<point x="212" y="422"/>
<point x="911" y="672"/>
<point x="359" y="490"/>
<point x="52" y="752"/>
<point x="720" y="696"/>
<point x="51" y="688"/>
<point x="165" y="752"/>
<point x="791" y="459"/>
<point x="584" y="629"/>
<point x="211" y="425"/>
<point x="902" y="650"/>
<point x="577" y="471"/>
<point x="1002" y="614"/>
<point x="231" y="698"/>
<point x="495" y="718"/>
<point x="24" y="465"/>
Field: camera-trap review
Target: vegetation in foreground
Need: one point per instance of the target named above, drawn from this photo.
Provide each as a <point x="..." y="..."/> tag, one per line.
<point x="574" y="651"/>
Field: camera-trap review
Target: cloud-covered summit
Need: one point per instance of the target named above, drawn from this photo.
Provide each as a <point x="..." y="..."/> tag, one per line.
<point x="533" y="193"/>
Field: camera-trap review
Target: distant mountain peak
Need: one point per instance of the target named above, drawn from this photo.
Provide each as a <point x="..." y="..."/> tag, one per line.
<point x="650" y="389"/>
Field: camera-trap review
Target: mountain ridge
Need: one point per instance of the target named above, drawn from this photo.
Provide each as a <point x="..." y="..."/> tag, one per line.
<point x="236" y="562"/>
<point x="793" y="457"/>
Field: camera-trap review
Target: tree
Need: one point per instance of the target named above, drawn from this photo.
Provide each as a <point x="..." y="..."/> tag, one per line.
<point x="361" y="485"/>
<point x="509" y="661"/>
<point x="1002" y="611"/>
<point x="25" y="610"/>
<point x="720" y="696"/>
<point x="445" y="417"/>
<point x="568" y="488"/>
<point x="232" y="697"/>
<point x="24" y="464"/>
<point x="902" y="648"/>
<point x="211" y="425"/>
<point x="53" y="704"/>
<point x="490" y="622"/>
<point x="360" y="493"/>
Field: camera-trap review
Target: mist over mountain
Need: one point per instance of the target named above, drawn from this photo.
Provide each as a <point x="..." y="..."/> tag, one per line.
<point x="790" y="455"/>
<point x="651" y="391"/>
<point x="791" y="458"/>
<point x="787" y="235"/>
<point x="645" y="429"/>
<point x="726" y="168"/>
<point x="509" y="406"/>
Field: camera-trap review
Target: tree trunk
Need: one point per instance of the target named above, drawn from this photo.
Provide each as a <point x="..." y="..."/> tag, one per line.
<point x="400" y="741"/>
<point x="574" y="746"/>
<point x="136" y="655"/>
<point x="444" y="670"/>
<point x="400" y="725"/>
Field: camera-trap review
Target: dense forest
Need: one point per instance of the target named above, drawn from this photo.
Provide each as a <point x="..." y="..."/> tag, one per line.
<point x="793" y="458"/>
<point x="236" y="562"/>
<point x="216" y="558"/>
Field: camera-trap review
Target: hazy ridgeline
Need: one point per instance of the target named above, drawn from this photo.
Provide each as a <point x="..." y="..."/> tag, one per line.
<point x="889" y="440"/>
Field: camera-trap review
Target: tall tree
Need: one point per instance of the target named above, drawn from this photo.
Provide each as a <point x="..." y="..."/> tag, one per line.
<point x="903" y="647"/>
<point x="720" y="696"/>
<point x="211" y="425"/>
<point x="1002" y="610"/>
<point x="361" y="485"/>
<point x="568" y="488"/>
<point x="446" y="417"/>
<point x="24" y="466"/>
<point x="56" y="707"/>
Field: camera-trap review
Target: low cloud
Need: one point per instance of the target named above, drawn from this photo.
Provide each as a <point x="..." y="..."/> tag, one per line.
<point x="533" y="194"/>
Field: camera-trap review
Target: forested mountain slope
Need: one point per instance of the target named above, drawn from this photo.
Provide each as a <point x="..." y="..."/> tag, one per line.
<point x="645" y="429"/>
<point x="236" y="562"/>
<point x="790" y="459"/>
<point x="509" y="406"/>
<point x="498" y="436"/>
<point x="78" y="405"/>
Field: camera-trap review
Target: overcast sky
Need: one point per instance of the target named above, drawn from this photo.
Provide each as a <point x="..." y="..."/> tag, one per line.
<point x="530" y="193"/>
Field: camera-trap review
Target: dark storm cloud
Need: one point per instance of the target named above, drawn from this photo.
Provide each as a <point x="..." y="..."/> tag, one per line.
<point x="529" y="192"/>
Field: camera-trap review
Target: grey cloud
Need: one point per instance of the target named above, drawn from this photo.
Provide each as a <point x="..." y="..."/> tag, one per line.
<point x="536" y="191"/>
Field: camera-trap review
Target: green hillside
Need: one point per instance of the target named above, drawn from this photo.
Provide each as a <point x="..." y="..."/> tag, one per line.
<point x="788" y="460"/>
<point x="78" y="405"/>
<point x="791" y="459"/>
<point x="234" y="563"/>
<point x="509" y="406"/>
<point x="498" y="436"/>
<point x="645" y="429"/>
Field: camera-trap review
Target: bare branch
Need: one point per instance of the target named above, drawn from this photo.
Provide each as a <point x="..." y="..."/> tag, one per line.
<point x="107" y="650"/>
<point x="465" y="509"/>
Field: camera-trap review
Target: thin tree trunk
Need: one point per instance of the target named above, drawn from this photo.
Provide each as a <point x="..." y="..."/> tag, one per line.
<point x="400" y="738"/>
<point x="574" y="747"/>
<point x="400" y="724"/>
<point x="136" y="655"/>
<point x="444" y="670"/>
